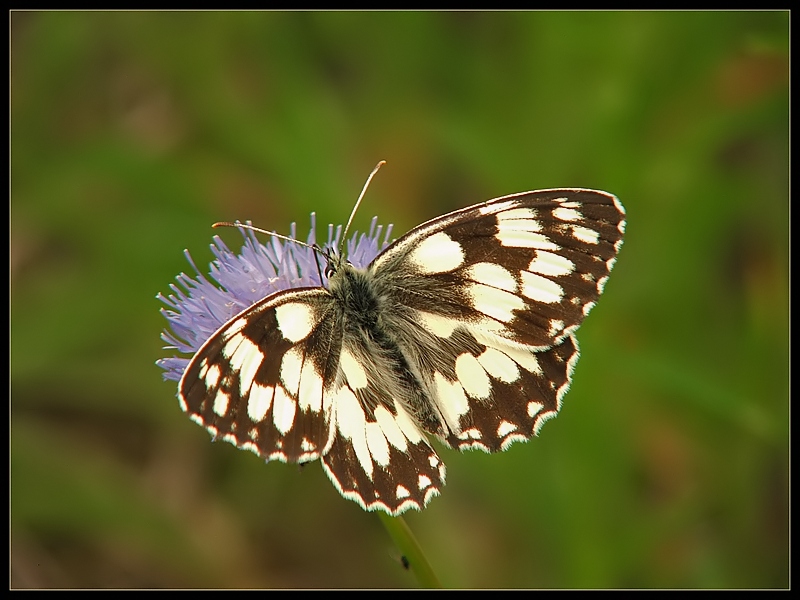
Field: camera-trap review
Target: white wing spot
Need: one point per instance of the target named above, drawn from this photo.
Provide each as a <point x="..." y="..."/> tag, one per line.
<point x="353" y="371"/>
<point x="247" y="359"/>
<point x="378" y="446"/>
<point x="495" y="303"/>
<point x="548" y="263"/>
<point x="470" y="434"/>
<point x="402" y="492"/>
<point x="424" y="482"/>
<point x="221" y="401"/>
<point x="498" y="365"/>
<point x="407" y="425"/>
<point x="211" y="377"/>
<point x="259" y="402"/>
<point x="202" y="368"/>
<point x="488" y="209"/>
<point x="524" y="358"/>
<point x="505" y="428"/>
<point x="556" y="326"/>
<point x="390" y="428"/>
<point x="585" y="235"/>
<point x="520" y="228"/>
<point x="295" y="320"/>
<point x="438" y="253"/>
<point x="352" y="424"/>
<point x="309" y="395"/>
<point x="525" y="239"/>
<point x="534" y="407"/>
<point x="540" y="288"/>
<point x="307" y="446"/>
<point x="438" y="325"/>
<point x="442" y="471"/>
<point x="291" y="365"/>
<point x="517" y="437"/>
<point x="235" y="328"/>
<point x="451" y="400"/>
<point x="601" y="284"/>
<point x="283" y="410"/>
<point x="472" y="377"/>
<point x="231" y="345"/>
<point x="567" y="214"/>
<point x="522" y="219"/>
<point x="494" y="275"/>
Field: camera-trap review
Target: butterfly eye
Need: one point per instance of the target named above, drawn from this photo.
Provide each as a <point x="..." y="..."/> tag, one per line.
<point x="330" y="270"/>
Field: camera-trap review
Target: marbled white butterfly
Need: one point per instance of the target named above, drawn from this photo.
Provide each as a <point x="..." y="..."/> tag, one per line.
<point x="462" y="329"/>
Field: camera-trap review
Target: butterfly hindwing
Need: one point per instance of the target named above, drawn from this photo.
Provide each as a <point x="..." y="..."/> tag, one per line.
<point x="379" y="457"/>
<point x="525" y="390"/>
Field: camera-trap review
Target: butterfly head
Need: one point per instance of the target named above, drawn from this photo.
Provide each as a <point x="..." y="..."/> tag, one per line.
<point x="334" y="260"/>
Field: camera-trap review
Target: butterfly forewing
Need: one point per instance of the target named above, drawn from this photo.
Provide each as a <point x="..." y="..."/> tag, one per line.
<point x="462" y="329"/>
<point x="529" y="266"/>
<point x="258" y="382"/>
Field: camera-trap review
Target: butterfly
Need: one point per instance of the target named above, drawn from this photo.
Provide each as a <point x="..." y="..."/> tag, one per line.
<point x="462" y="330"/>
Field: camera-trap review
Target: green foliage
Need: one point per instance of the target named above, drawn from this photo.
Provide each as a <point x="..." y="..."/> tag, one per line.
<point x="131" y="132"/>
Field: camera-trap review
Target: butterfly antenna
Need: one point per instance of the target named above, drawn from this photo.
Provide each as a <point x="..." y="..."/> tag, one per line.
<point x="314" y="247"/>
<point x="317" y="250"/>
<point x="355" y="208"/>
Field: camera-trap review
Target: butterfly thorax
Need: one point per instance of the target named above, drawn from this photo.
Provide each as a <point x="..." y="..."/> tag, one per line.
<point x="355" y="293"/>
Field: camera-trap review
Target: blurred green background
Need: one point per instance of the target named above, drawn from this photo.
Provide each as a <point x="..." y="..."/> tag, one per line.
<point x="132" y="132"/>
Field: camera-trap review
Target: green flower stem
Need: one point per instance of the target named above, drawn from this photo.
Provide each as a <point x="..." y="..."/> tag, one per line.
<point x="409" y="548"/>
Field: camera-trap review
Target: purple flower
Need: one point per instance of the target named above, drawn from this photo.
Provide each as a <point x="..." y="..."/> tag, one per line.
<point x="197" y="306"/>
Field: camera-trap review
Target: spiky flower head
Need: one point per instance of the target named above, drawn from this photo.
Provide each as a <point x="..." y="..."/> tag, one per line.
<point x="198" y="305"/>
